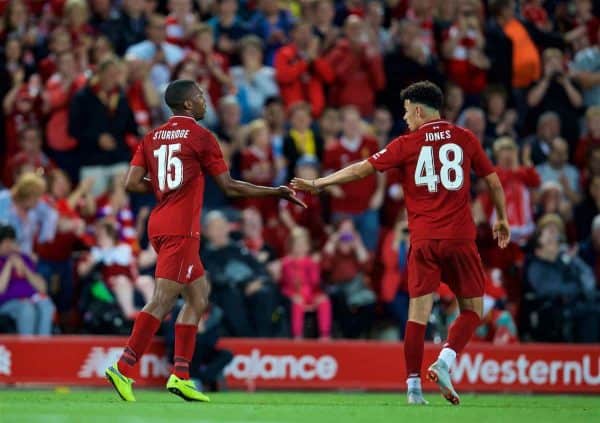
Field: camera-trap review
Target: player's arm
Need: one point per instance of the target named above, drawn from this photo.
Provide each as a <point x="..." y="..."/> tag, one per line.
<point x="501" y="227"/>
<point x="235" y="188"/>
<point x="135" y="180"/>
<point x="351" y="173"/>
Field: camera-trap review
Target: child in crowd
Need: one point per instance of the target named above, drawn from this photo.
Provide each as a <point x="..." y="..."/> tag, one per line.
<point x="300" y="282"/>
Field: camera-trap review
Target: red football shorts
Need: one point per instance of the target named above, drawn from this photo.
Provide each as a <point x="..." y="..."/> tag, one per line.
<point x="453" y="261"/>
<point x="178" y="258"/>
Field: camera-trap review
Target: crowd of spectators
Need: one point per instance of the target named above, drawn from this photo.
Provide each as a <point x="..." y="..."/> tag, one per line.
<point x="297" y="88"/>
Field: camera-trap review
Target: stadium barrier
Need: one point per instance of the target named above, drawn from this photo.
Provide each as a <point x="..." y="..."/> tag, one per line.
<point x="286" y="364"/>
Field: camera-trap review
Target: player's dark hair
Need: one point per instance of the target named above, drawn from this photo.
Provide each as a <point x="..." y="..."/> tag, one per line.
<point x="424" y="92"/>
<point x="179" y="91"/>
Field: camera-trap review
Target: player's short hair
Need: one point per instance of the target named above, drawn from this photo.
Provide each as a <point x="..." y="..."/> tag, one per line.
<point x="424" y="92"/>
<point x="178" y="91"/>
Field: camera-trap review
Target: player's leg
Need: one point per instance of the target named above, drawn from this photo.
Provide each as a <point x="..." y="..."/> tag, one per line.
<point x="419" y="310"/>
<point x="423" y="280"/>
<point x="123" y="290"/>
<point x="145" y="326"/>
<point x="186" y="328"/>
<point x="463" y="272"/>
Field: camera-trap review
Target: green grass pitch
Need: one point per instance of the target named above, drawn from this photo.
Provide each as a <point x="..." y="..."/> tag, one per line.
<point x="90" y="406"/>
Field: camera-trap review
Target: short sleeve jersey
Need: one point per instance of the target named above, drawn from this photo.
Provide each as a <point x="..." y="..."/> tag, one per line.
<point x="437" y="160"/>
<point x="176" y="156"/>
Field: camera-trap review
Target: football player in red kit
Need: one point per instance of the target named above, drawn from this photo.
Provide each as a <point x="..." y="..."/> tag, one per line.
<point x="171" y="161"/>
<point x="437" y="158"/>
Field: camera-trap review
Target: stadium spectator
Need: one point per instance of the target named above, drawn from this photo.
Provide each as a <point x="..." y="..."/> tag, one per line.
<point x="588" y="208"/>
<point x="301" y="140"/>
<point x="30" y="157"/>
<point x="473" y="118"/>
<point x="253" y="233"/>
<point x="254" y="82"/>
<point x="463" y="50"/>
<point x="301" y="284"/>
<point x="330" y="126"/>
<point x="240" y="285"/>
<point x="498" y="49"/>
<point x="357" y="64"/>
<point x="374" y="16"/>
<point x="591" y="137"/>
<point x="394" y="288"/>
<point x="99" y="119"/>
<point x="212" y="66"/>
<point x="556" y="92"/>
<point x="589" y="250"/>
<point x="273" y="23"/>
<point x="311" y="218"/>
<point x="32" y="219"/>
<point x="517" y="181"/>
<point x="382" y="126"/>
<point x="258" y="167"/>
<point x="116" y="263"/>
<point x="585" y="69"/>
<point x="358" y="200"/>
<point x="59" y="42"/>
<point x="114" y="205"/>
<point x="537" y="147"/>
<point x="59" y="91"/>
<point x="455" y="98"/>
<point x="180" y="22"/>
<point x="55" y="258"/>
<point x="559" y="284"/>
<point x="129" y="27"/>
<point x="229" y="129"/>
<point x="500" y="121"/>
<point x="345" y="265"/>
<point x="227" y="26"/>
<point x="323" y="23"/>
<point x="300" y="72"/>
<point x="274" y="115"/>
<point x="22" y="106"/>
<point x="163" y="55"/>
<point x="22" y="290"/>
<point x="557" y="169"/>
<point x="142" y="96"/>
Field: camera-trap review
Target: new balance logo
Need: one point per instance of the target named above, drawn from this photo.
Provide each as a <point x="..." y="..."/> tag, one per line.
<point x="189" y="271"/>
<point x="379" y="154"/>
<point x="99" y="359"/>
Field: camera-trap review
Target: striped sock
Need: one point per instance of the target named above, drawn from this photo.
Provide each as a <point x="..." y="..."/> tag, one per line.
<point x="144" y="328"/>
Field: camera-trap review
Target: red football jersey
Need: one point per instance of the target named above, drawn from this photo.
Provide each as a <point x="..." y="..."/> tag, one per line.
<point x="176" y="155"/>
<point x="437" y="160"/>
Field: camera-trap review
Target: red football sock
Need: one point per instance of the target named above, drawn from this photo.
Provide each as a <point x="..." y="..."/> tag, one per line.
<point x="144" y="328"/>
<point x="462" y="329"/>
<point x="185" y="343"/>
<point x="414" y="344"/>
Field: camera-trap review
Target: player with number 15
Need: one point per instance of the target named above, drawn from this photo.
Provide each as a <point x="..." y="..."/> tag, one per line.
<point x="172" y="161"/>
<point x="436" y="159"/>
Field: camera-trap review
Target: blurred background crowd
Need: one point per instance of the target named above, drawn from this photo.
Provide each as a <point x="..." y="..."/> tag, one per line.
<point x="301" y="88"/>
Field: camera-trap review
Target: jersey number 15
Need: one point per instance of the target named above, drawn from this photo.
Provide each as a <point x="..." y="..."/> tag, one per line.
<point x="170" y="167"/>
<point x="425" y="170"/>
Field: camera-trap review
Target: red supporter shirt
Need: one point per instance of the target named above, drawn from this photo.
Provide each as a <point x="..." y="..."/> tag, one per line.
<point x="357" y="194"/>
<point x="176" y="155"/>
<point x="437" y="158"/>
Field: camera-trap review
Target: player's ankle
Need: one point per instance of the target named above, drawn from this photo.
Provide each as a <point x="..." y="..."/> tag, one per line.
<point x="447" y="356"/>
<point x="413" y="383"/>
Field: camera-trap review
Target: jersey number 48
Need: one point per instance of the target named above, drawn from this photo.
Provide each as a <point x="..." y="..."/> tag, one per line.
<point x="425" y="170"/>
<point x="170" y="167"/>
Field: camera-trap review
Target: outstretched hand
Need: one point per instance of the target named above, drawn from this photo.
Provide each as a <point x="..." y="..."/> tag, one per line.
<point x="290" y="195"/>
<point x="502" y="233"/>
<point x="304" y="185"/>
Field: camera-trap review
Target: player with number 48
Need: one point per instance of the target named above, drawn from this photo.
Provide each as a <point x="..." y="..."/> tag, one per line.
<point x="436" y="159"/>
